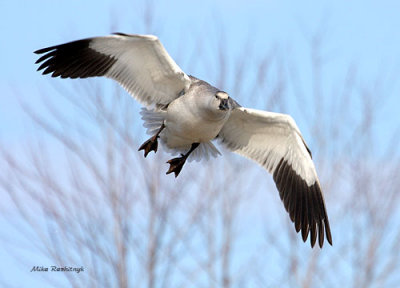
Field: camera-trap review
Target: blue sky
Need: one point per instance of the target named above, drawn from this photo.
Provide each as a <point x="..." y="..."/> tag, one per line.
<point x="362" y="33"/>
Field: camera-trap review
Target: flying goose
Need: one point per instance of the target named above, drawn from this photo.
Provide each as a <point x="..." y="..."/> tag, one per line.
<point x="186" y="114"/>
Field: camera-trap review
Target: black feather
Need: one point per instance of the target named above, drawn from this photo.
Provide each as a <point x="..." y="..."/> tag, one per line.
<point x="74" y="60"/>
<point x="304" y="203"/>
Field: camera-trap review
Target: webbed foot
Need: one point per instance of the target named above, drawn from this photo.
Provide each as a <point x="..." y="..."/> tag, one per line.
<point x="149" y="145"/>
<point x="152" y="143"/>
<point x="176" y="165"/>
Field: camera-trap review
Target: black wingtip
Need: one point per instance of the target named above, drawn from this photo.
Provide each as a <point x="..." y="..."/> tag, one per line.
<point x="120" y="34"/>
<point x="74" y="60"/>
<point x="328" y="232"/>
<point x="313" y="235"/>
<point x="304" y="203"/>
<point x="44" y="50"/>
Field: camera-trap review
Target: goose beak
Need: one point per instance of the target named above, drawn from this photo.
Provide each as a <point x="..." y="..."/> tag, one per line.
<point x="224" y="104"/>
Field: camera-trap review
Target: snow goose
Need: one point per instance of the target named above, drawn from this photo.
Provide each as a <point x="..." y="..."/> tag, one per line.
<point x="186" y="114"/>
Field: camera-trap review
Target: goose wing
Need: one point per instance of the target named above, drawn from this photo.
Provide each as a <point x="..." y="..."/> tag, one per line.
<point x="274" y="141"/>
<point x="139" y="63"/>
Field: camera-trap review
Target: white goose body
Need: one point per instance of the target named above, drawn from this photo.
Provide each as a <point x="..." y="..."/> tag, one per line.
<point x="189" y="120"/>
<point x="187" y="114"/>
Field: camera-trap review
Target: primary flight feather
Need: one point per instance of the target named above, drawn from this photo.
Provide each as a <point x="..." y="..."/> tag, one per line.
<point x="186" y="114"/>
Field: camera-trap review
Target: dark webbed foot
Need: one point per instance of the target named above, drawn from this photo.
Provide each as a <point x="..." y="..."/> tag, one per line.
<point x="152" y="143"/>
<point x="176" y="164"/>
<point x="149" y="145"/>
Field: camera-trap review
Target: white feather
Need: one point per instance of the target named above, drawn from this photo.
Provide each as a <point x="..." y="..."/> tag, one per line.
<point x="154" y="118"/>
<point x="267" y="137"/>
<point x="143" y="67"/>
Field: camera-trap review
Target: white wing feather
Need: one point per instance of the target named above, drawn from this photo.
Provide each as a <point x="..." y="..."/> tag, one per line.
<point x="139" y="63"/>
<point x="267" y="137"/>
<point x="143" y="67"/>
<point x="274" y="141"/>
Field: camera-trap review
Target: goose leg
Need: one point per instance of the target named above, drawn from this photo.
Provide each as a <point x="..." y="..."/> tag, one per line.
<point x="152" y="143"/>
<point x="176" y="164"/>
